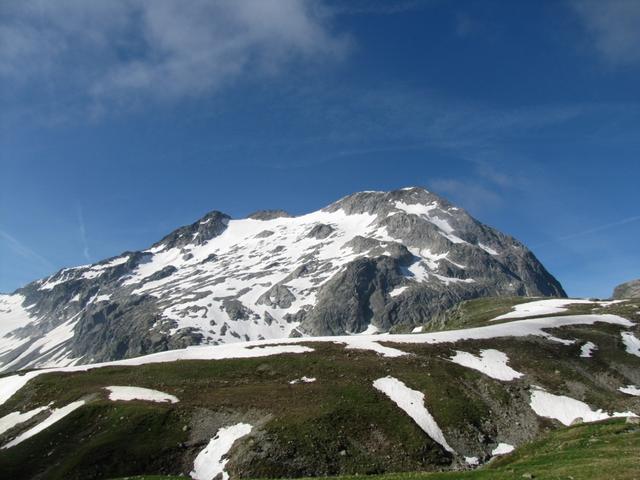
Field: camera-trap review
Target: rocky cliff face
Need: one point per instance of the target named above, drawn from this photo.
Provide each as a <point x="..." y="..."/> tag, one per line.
<point x="627" y="290"/>
<point x="373" y="261"/>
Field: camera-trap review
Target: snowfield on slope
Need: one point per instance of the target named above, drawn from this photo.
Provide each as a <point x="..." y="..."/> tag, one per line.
<point x="502" y="449"/>
<point x="631" y="343"/>
<point x="56" y="415"/>
<point x="15" y="418"/>
<point x="631" y="390"/>
<point x="492" y="363"/>
<point x="211" y="461"/>
<point x="12" y="316"/>
<point x="260" y="348"/>
<point x="548" y="307"/>
<point x="242" y="252"/>
<point x="566" y="409"/>
<point x="139" y="393"/>
<point x="412" y="402"/>
<point x="586" y="351"/>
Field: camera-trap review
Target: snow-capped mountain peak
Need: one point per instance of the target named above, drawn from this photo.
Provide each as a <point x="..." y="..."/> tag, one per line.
<point x="371" y="260"/>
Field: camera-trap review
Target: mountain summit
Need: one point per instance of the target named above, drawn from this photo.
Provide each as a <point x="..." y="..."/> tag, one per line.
<point x="372" y="261"/>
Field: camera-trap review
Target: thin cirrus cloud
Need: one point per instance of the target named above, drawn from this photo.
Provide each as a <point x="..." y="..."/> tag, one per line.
<point x="21" y="249"/>
<point x="159" y="48"/>
<point x="613" y="28"/>
<point x="592" y="230"/>
<point x="82" y="230"/>
<point x="470" y="193"/>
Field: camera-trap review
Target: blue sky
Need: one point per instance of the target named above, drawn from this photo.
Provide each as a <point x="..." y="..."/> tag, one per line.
<point x="121" y="120"/>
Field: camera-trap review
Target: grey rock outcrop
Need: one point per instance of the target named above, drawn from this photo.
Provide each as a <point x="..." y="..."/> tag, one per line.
<point x="321" y="231"/>
<point x="269" y="214"/>
<point x="627" y="290"/>
<point x="277" y="296"/>
<point x="198" y="233"/>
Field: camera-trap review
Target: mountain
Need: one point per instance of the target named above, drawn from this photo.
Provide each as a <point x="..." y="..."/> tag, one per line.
<point x="627" y="290"/>
<point x="555" y="380"/>
<point x="370" y="262"/>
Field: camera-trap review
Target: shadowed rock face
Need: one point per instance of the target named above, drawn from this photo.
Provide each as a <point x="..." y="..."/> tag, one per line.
<point x="627" y="290"/>
<point x="198" y="233"/>
<point x="391" y="260"/>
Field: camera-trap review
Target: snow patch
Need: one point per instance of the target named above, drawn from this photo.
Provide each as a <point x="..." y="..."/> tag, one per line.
<point x="541" y="307"/>
<point x="139" y="393"/>
<point x="631" y="343"/>
<point x="11" y="384"/>
<point x="12" y="315"/>
<point x="488" y="249"/>
<point x="502" y="449"/>
<point x="566" y="409"/>
<point x="492" y="363"/>
<point x="442" y="224"/>
<point x="397" y="291"/>
<point x="630" y="390"/>
<point x="62" y="276"/>
<point x="98" y="269"/>
<point x="211" y="461"/>
<point x="412" y="402"/>
<point x="362" y="342"/>
<point x="586" y="351"/>
<point x="302" y="380"/>
<point x="453" y="238"/>
<point x="417" y="271"/>
<point x="450" y="280"/>
<point x="370" y="330"/>
<point x="57" y="414"/>
<point x="518" y="328"/>
<point x="473" y="461"/>
<point x="416" y="208"/>
<point x="424" y="211"/>
<point x="15" y="418"/>
<point x="51" y="340"/>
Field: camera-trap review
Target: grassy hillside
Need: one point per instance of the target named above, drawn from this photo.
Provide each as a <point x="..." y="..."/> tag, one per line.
<point x="479" y="311"/>
<point x="339" y="424"/>
<point x="583" y="452"/>
<point x="580" y="452"/>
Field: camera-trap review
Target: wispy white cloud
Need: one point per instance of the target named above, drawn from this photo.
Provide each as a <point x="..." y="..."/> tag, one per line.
<point x="82" y="230"/>
<point x="483" y="186"/>
<point x="466" y="25"/>
<point x="470" y="193"/>
<point x="592" y="230"/>
<point x="165" y="49"/>
<point x="377" y="7"/>
<point x="613" y="26"/>
<point x="24" y="251"/>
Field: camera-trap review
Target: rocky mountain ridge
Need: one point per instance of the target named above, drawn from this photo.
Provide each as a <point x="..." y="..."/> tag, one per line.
<point x="370" y="262"/>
